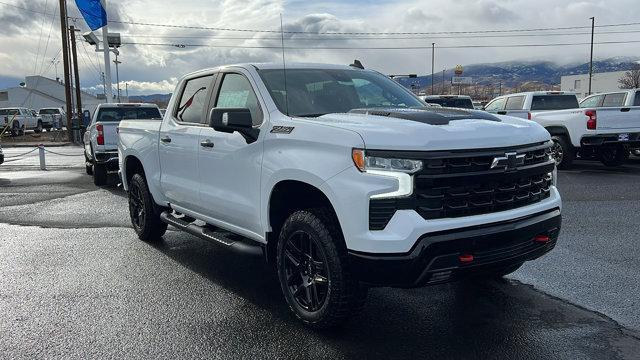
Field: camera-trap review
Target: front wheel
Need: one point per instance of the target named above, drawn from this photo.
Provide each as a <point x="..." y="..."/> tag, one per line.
<point x="38" y="128"/>
<point x="562" y="152"/>
<point x="143" y="211"/>
<point x="613" y="155"/>
<point x="313" y="270"/>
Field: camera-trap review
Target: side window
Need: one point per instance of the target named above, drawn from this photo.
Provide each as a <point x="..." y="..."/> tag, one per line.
<point x="515" y="102"/>
<point x="636" y="102"/>
<point x="193" y="100"/>
<point x="236" y="92"/>
<point x="611" y="100"/>
<point x="496" y="105"/>
<point x="591" y="102"/>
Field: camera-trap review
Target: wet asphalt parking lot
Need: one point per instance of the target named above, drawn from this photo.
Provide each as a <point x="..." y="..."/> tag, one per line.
<point x="75" y="282"/>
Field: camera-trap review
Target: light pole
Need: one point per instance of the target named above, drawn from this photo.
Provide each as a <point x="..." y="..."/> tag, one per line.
<point x="433" y="56"/>
<point x="593" y="23"/>
<point x="55" y="64"/>
<point x="117" y="75"/>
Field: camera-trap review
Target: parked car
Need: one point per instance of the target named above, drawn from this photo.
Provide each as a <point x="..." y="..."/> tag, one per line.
<point x="523" y="104"/>
<point x="342" y="179"/>
<point x="101" y="137"/>
<point x="605" y="127"/>
<point x="52" y="118"/>
<point x="18" y="120"/>
<point x="455" y="101"/>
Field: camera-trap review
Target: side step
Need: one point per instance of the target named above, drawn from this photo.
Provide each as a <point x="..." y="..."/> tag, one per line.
<point x="221" y="237"/>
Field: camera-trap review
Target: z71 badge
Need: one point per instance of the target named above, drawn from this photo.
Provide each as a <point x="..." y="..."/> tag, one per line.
<point x="282" y="129"/>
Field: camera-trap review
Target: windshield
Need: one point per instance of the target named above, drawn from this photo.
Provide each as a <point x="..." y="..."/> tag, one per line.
<point x="9" y="112"/>
<point x="315" y="92"/>
<point x="49" y="111"/>
<point x="124" y="113"/>
<point x="554" y="102"/>
<point x="452" y="102"/>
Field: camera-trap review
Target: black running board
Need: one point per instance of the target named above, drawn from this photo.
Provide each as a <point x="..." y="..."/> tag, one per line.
<point x="223" y="238"/>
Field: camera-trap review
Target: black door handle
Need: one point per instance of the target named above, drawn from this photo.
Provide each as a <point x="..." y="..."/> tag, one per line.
<point x="206" y="143"/>
<point x="165" y="139"/>
<point x="625" y="109"/>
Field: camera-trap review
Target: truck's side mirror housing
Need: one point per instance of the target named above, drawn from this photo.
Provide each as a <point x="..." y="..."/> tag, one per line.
<point x="234" y="119"/>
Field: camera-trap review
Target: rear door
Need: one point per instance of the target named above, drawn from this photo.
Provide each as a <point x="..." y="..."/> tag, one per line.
<point x="514" y="106"/>
<point x="613" y="115"/>
<point x="179" y="142"/>
<point x="230" y="168"/>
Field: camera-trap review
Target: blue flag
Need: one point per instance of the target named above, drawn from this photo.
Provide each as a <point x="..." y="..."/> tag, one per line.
<point x="93" y="12"/>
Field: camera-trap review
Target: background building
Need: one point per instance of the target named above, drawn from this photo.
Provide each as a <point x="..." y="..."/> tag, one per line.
<point x="39" y="92"/>
<point x="601" y="82"/>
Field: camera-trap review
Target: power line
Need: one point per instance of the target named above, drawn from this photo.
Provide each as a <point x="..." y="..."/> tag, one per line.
<point x="377" y="47"/>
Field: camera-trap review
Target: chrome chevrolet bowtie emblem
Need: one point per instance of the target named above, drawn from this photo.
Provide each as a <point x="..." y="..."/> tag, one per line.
<point x="510" y="161"/>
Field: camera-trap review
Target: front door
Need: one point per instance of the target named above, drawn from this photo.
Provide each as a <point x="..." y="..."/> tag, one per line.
<point x="230" y="168"/>
<point x="179" y="142"/>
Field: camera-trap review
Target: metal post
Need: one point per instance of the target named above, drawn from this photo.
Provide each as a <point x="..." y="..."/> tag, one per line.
<point x="117" y="77"/>
<point x="43" y="165"/>
<point x="593" y="26"/>
<point x="443" y="85"/>
<point x="107" y="61"/>
<point x="433" y="57"/>
<point x="65" y="58"/>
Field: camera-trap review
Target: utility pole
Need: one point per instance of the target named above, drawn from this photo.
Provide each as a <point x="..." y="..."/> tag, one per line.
<point x="433" y="57"/>
<point x="126" y="90"/>
<point x="443" y="81"/>
<point x="593" y="26"/>
<point x="107" y="62"/>
<point x="74" y="54"/>
<point x="500" y="89"/>
<point x="65" y="60"/>
<point x="117" y="76"/>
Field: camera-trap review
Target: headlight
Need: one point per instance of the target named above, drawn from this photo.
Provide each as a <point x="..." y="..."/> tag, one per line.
<point x="367" y="163"/>
<point x="399" y="169"/>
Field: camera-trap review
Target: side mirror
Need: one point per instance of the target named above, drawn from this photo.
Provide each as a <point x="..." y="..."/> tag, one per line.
<point x="230" y="120"/>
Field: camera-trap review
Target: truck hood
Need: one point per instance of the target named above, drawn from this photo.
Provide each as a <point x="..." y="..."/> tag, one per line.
<point x="435" y="129"/>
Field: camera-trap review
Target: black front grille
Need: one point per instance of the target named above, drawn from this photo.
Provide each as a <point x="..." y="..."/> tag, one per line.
<point x="456" y="184"/>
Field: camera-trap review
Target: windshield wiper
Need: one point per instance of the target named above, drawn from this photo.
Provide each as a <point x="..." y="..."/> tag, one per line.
<point x="311" y="115"/>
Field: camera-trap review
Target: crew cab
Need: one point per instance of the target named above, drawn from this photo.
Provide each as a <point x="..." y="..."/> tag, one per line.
<point x="604" y="128"/>
<point x="523" y="104"/>
<point x="454" y="101"/>
<point x="52" y="118"/>
<point x="342" y="179"/>
<point x="17" y="120"/>
<point x="101" y="137"/>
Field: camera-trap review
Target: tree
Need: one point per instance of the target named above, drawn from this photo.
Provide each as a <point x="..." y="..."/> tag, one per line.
<point x="631" y="79"/>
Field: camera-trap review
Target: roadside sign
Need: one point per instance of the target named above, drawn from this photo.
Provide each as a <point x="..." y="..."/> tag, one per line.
<point x="461" y="80"/>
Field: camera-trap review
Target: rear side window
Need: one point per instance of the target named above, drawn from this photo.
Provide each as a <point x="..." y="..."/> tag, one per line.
<point x="452" y="102"/>
<point x="515" y="102"/>
<point x="193" y="100"/>
<point x="496" y="105"/>
<point x="236" y="92"/>
<point x="554" y="102"/>
<point x="636" y="102"/>
<point x="591" y="102"/>
<point x="613" y="100"/>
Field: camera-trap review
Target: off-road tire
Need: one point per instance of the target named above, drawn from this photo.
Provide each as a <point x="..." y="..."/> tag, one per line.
<point x="613" y="156"/>
<point x="99" y="174"/>
<point x="15" y="129"/>
<point x="345" y="296"/>
<point x="150" y="227"/>
<point x="38" y="128"/>
<point x="568" y="153"/>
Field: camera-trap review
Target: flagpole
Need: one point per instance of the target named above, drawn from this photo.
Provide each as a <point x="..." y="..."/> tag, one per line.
<point x="107" y="62"/>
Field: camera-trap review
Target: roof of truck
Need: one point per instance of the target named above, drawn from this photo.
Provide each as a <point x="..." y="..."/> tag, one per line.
<point x="277" y="65"/>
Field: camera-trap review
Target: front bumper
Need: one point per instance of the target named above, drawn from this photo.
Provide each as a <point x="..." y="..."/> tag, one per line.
<point x="632" y="140"/>
<point x="435" y="258"/>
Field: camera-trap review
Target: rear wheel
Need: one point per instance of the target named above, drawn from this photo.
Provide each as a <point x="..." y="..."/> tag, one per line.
<point x="562" y="152"/>
<point x="144" y="213"/>
<point x="15" y="129"/>
<point x="99" y="174"/>
<point x="313" y="270"/>
<point x="38" y="128"/>
<point x="613" y="155"/>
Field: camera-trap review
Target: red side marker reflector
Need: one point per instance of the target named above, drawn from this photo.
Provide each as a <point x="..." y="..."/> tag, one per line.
<point x="541" y="238"/>
<point x="465" y="258"/>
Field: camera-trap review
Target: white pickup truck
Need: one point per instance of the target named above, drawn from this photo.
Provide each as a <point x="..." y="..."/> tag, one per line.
<point x="523" y="104"/>
<point x="101" y="137"/>
<point x="52" y="118"/>
<point x="343" y="180"/>
<point x="17" y="120"/>
<point x="604" y="128"/>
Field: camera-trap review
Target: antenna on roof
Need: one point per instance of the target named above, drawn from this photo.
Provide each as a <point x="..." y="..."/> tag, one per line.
<point x="284" y="68"/>
<point x="357" y="64"/>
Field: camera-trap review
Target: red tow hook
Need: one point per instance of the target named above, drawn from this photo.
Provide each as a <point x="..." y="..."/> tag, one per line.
<point x="543" y="239"/>
<point x="465" y="258"/>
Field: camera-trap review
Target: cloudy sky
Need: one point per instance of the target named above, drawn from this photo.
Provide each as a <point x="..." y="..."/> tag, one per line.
<point x="29" y="40"/>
